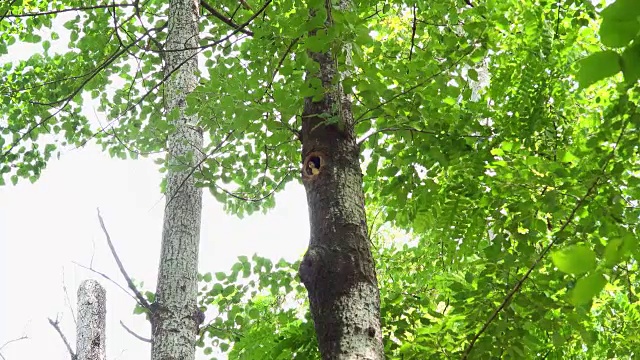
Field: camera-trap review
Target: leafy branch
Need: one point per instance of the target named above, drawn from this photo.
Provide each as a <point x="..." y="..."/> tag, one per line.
<point x="568" y="220"/>
<point x="224" y="19"/>
<point x="60" y="11"/>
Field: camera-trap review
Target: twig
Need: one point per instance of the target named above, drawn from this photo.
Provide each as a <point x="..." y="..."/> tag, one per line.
<point x="196" y="166"/>
<point x="8" y="10"/>
<point x="56" y="326"/>
<point x="410" y="129"/>
<point x="245" y="5"/>
<point x="142" y="338"/>
<point x="141" y="300"/>
<point x="68" y="300"/>
<point x="223" y="18"/>
<point x="23" y="337"/>
<point x="282" y="59"/>
<point x="413" y="32"/>
<point x="107" y="278"/>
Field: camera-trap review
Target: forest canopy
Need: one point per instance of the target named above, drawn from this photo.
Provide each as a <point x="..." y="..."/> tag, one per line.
<point x="498" y="147"/>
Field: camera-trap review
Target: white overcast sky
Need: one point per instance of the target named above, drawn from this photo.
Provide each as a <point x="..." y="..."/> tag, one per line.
<point x="46" y="226"/>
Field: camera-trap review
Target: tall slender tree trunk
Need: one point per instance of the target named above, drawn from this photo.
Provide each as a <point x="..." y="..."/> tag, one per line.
<point x="90" y="327"/>
<point x="338" y="269"/>
<point x="175" y="317"/>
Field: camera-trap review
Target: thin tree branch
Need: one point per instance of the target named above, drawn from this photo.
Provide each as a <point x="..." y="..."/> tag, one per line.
<point x="196" y="166"/>
<point x="413" y="31"/>
<point x="518" y="285"/>
<point x="68" y="98"/>
<point x="8" y="9"/>
<point x="68" y="299"/>
<point x="166" y="76"/>
<point x="258" y="199"/>
<point x="106" y="278"/>
<point x="245" y="5"/>
<point x="223" y="18"/>
<point x="410" y="129"/>
<point x="568" y="220"/>
<point x="419" y="84"/>
<point x="143" y="302"/>
<point x="56" y="326"/>
<point x="23" y="337"/>
<point x="282" y="59"/>
<point x="142" y="338"/>
<point x="94" y="73"/>
<point x="60" y="11"/>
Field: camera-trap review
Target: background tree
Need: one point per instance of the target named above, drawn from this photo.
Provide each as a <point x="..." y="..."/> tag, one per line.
<point x="175" y="317"/>
<point x="90" y="325"/>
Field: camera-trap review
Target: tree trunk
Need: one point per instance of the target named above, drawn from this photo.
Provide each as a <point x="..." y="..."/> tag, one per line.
<point x="338" y="269"/>
<point x="175" y="317"/>
<point x="90" y="328"/>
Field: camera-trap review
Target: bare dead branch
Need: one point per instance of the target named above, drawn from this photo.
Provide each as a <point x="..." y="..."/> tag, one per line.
<point x="105" y="276"/>
<point x="56" y="326"/>
<point x="23" y="337"/>
<point x="141" y="300"/>
<point x="68" y="300"/>
<point x="139" y="337"/>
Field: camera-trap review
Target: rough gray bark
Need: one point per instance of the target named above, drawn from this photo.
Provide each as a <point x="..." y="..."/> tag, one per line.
<point x="175" y="317"/>
<point x="90" y="327"/>
<point x="338" y="269"/>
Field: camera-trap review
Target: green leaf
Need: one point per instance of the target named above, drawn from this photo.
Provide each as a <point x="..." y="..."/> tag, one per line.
<point x="620" y="23"/>
<point x="618" y="33"/>
<point x="575" y="259"/>
<point x="587" y="287"/>
<point x="613" y="252"/>
<point x="207" y="277"/>
<point x="220" y="276"/>
<point x="598" y="66"/>
<point x="473" y="74"/>
<point x="631" y="63"/>
<point x="566" y="156"/>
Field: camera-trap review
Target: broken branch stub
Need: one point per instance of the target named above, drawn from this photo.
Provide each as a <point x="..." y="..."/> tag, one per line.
<point x="90" y="344"/>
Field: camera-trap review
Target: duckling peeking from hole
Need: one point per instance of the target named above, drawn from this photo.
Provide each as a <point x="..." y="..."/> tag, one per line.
<point x="313" y="166"/>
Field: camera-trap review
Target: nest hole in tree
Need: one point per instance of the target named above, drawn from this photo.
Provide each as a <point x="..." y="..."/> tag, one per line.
<point x="313" y="164"/>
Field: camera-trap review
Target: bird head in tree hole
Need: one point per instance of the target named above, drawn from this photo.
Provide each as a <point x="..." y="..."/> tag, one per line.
<point x="313" y="165"/>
